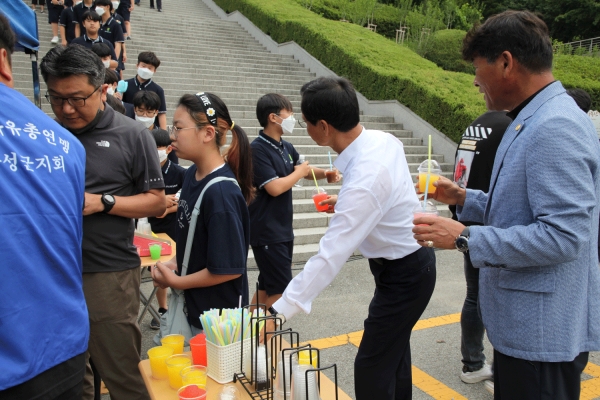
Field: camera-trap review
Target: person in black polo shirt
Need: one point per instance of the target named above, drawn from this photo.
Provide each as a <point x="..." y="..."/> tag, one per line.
<point x="91" y="21"/>
<point x="67" y="25"/>
<point x="124" y="9"/>
<point x="147" y="65"/>
<point x="173" y="175"/>
<point x="275" y="173"/>
<point x="110" y="29"/>
<point x="55" y="7"/>
<point x="80" y="9"/>
<point x="112" y="80"/>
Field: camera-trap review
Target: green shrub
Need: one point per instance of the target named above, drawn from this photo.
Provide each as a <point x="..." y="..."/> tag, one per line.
<point x="444" y="49"/>
<point x="582" y="72"/>
<point x="379" y="68"/>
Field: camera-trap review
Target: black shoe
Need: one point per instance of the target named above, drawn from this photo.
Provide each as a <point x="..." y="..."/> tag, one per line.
<point x="152" y="8"/>
<point x="155" y="324"/>
<point x="128" y="37"/>
<point x="159" y="10"/>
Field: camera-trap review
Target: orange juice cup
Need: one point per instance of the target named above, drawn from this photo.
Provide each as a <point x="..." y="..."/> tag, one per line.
<point x="331" y="175"/>
<point x="304" y="358"/>
<point x="319" y="196"/>
<point x="158" y="355"/>
<point x="194" y="375"/>
<point x="175" y="342"/>
<point x="431" y="168"/>
<point x="198" y="348"/>
<point x="191" y="392"/>
<point x="174" y="366"/>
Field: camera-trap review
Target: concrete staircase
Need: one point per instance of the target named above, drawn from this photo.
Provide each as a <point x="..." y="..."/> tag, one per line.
<point x="200" y="52"/>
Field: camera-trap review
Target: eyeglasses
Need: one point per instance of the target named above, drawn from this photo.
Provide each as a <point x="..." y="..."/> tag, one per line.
<point x="144" y="113"/>
<point x="73" y="101"/>
<point x="302" y="122"/>
<point x="174" y="131"/>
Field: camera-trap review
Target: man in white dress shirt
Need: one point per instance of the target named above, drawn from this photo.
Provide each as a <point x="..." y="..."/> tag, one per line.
<point x="374" y="213"/>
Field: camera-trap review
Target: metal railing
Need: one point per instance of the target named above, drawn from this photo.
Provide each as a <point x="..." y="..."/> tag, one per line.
<point x="587" y="47"/>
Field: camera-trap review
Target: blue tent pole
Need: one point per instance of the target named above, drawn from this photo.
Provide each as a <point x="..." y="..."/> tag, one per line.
<point x="36" y="80"/>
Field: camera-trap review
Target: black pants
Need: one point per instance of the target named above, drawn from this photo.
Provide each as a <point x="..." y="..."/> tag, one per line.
<point x="159" y="6"/>
<point x="517" y="379"/>
<point x="382" y="368"/>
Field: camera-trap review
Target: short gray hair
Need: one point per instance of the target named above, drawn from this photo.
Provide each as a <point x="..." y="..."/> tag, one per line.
<point x="63" y="62"/>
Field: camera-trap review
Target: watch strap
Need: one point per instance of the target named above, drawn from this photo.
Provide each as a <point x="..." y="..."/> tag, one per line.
<point x="107" y="205"/>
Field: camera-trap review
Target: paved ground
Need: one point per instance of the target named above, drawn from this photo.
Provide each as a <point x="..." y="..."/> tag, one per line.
<point x="342" y="307"/>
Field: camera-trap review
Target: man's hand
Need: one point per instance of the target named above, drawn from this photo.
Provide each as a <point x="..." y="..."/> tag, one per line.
<point x="163" y="275"/>
<point x="330" y="201"/>
<point x="447" y="192"/>
<point x="303" y="168"/>
<point x="93" y="204"/>
<point x="124" y="56"/>
<point x="441" y="232"/>
<point x="171" y="200"/>
<point x="131" y="8"/>
<point x="118" y="95"/>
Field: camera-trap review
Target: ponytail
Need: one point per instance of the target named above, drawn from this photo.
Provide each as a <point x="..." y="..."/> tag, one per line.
<point x="239" y="158"/>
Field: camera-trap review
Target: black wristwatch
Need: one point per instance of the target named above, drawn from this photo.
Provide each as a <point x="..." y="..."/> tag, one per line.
<point x="462" y="241"/>
<point x="109" y="202"/>
<point x="274" y="313"/>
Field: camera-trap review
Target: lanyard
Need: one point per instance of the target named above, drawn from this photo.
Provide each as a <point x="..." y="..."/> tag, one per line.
<point x="279" y="150"/>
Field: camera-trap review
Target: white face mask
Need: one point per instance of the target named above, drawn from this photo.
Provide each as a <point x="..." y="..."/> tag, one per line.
<point x="115" y="5"/>
<point x="110" y="90"/>
<point x="78" y="2"/>
<point x="144" y="73"/>
<point x="147" y="121"/>
<point x="162" y="155"/>
<point x="106" y="63"/>
<point x="288" y="124"/>
<point x="99" y="11"/>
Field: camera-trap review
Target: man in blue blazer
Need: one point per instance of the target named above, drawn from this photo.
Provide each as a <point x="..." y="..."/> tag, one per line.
<point x="537" y="250"/>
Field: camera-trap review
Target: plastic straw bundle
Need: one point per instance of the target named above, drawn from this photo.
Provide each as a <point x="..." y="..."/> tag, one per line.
<point x="226" y="328"/>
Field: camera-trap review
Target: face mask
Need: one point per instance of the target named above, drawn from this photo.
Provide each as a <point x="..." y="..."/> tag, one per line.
<point x="99" y="11"/>
<point x="78" y="2"/>
<point x="162" y="155"/>
<point x="147" y="121"/>
<point x="106" y="63"/>
<point x="144" y="73"/>
<point x="288" y="124"/>
<point x="110" y="90"/>
<point x="115" y="4"/>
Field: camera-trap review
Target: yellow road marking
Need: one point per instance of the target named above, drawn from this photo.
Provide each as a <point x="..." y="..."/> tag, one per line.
<point x="590" y="388"/>
<point x="355" y="337"/>
<point x="433" y="387"/>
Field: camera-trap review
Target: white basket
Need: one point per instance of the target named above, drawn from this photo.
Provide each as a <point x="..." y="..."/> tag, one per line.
<point x="224" y="361"/>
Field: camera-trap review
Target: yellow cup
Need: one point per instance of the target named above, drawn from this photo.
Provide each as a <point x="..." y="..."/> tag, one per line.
<point x="304" y="358"/>
<point x="174" y="366"/>
<point x="158" y="355"/>
<point x="423" y="182"/>
<point x="194" y="375"/>
<point x="175" y="342"/>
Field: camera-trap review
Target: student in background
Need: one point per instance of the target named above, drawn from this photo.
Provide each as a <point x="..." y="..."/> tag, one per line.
<point x="173" y="175"/>
<point x="55" y="7"/>
<point x="147" y="65"/>
<point x="91" y="23"/>
<point x="67" y="24"/>
<point x="271" y="213"/>
<point x="80" y="9"/>
<point x="112" y="80"/>
<point x="103" y="51"/>
<point x="124" y="9"/>
<point x="146" y="105"/>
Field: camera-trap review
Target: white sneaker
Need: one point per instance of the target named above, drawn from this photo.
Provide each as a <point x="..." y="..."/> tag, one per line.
<point x="54" y="40"/>
<point x="477" y="376"/>
<point x="489" y="385"/>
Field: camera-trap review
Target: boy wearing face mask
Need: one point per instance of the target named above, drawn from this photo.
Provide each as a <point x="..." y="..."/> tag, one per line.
<point x="110" y="29"/>
<point x="103" y="51"/>
<point x="147" y="65"/>
<point x="146" y="105"/>
<point x="91" y="23"/>
<point x="173" y="175"/>
<point x="271" y="213"/>
<point x="112" y="80"/>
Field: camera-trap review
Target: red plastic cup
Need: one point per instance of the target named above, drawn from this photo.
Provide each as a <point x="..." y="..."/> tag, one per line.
<point x="198" y="347"/>
<point x="191" y="392"/>
<point x="318" y="197"/>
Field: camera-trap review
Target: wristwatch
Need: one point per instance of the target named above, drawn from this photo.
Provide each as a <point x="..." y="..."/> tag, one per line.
<point x="274" y="313"/>
<point x="462" y="241"/>
<point x="109" y="202"/>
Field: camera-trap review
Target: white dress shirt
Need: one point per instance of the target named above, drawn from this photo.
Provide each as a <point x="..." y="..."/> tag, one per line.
<point x="374" y="213"/>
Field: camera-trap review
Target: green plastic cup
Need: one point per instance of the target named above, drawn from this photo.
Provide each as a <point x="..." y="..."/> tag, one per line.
<point x="155" y="249"/>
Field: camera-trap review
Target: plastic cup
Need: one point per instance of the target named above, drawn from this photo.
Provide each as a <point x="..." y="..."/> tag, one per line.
<point x="229" y="392"/>
<point x="430" y="210"/>
<point x="158" y="355"/>
<point x="331" y="175"/>
<point x="304" y="358"/>
<point x="191" y="392"/>
<point x="155" y="249"/>
<point x="194" y="375"/>
<point x="319" y="196"/>
<point x="198" y="347"/>
<point x="174" y="366"/>
<point x="434" y="175"/>
<point x="174" y="341"/>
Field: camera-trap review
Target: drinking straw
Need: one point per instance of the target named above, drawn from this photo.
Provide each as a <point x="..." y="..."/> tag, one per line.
<point x="315" y="178"/>
<point x="330" y="163"/>
<point x="240" y="302"/>
<point x="428" y="173"/>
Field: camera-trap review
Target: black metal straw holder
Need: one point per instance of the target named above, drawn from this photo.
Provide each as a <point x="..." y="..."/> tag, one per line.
<point x="318" y="370"/>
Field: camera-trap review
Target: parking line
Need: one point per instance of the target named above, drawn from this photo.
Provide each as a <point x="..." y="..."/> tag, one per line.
<point x="433" y="387"/>
<point x="590" y="388"/>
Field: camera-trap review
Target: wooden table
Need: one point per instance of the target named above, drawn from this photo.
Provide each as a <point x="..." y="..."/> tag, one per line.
<point x="159" y="389"/>
<point x="149" y="262"/>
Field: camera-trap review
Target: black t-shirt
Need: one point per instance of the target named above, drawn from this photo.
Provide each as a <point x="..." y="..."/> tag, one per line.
<point x="121" y="160"/>
<point x="220" y="241"/>
<point x="477" y="150"/>
<point x="79" y="10"/>
<point x="173" y="175"/>
<point x="67" y="19"/>
<point x="134" y="86"/>
<point x="84" y="40"/>
<point x="271" y="217"/>
<point x="111" y="30"/>
<point x="121" y="21"/>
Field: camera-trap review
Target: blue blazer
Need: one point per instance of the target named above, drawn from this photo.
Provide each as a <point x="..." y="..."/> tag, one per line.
<point x="539" y="282"/>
